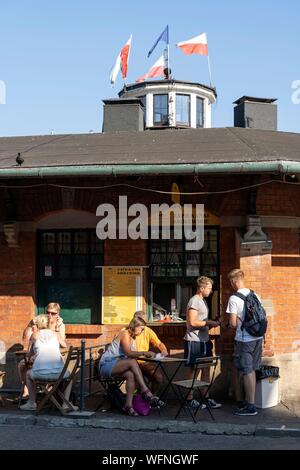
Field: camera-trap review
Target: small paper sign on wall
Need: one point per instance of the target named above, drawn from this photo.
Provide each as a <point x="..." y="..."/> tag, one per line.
<point x="48" y="271"/>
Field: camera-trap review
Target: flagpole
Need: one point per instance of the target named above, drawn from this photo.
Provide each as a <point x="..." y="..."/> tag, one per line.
<point x="209" y="70"/>
<point x="168" y="46"/>
<point x="168" y="65"/>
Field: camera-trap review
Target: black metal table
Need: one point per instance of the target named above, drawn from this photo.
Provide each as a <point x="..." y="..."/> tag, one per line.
<point x="161" y="364"/>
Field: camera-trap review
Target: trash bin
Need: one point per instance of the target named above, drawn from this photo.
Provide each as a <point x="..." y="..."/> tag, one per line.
<point x="266" y="392"/>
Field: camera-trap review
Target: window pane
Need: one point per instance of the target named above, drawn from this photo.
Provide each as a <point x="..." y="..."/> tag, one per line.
<point x="80" y="267"/>
<point x="183" y="109"/>
<point x="80" y="243"/>
<point x="160" y="111"/>
<point x="64" y="267"/>
<point x="193" y="264"/>
<point x="48" y="243"/>
<point x="96" y="260"/>
<point x="64" y="243"/>
<point x="96" y="244"/>
<point x="199" y="112"/>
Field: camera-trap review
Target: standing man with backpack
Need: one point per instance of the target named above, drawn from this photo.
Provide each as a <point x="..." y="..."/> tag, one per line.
<point x="248" y="317"/>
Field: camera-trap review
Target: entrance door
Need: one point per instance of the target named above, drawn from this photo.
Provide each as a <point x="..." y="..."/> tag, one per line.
<point x="67" y="273"/>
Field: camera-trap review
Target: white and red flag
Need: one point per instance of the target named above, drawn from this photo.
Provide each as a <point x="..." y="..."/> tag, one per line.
<point x="196" y="45"/>
<point x="157" y="70"/>
<point x="121" y="62"/>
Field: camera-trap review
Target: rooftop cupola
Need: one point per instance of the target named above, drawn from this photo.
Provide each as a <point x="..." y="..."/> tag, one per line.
<point x="173" y="103"/>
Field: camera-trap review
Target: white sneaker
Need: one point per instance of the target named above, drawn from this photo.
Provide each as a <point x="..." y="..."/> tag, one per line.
<point x="29" y="406"/>
<point x="194" y="404"/>
<point x="213" y="404"/>
<point x="66" y="408"/>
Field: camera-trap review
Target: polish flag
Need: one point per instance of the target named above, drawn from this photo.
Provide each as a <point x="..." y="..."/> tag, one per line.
<point x="121" y="62"/>
<point x="125" y="54"/>
<point x="196" y="45"/>
<point x="157" y="70"/>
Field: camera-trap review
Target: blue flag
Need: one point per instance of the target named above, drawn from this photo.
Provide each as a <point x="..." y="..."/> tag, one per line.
<point x="163" y="37"/>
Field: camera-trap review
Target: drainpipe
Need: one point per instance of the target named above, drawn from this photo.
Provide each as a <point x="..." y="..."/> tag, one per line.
<point x="277" y="166"/>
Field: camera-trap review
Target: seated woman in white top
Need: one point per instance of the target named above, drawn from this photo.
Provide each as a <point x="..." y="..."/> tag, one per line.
<point x="56" y="324"/>
<point x="48" y="362"/>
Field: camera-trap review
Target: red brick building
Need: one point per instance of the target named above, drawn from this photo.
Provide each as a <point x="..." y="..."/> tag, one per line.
<point x="245" y="177"/>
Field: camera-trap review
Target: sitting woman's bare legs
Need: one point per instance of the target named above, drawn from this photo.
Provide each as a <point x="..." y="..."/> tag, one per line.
<point x="129" y="369"/>
<point x="130" y="387"/>
<point x="31" y="387"/>
<point x="124" y="365"/>
<point x="22" y="370"/>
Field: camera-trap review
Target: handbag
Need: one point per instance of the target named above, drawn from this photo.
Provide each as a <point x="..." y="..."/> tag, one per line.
<point x="140" y="405"/>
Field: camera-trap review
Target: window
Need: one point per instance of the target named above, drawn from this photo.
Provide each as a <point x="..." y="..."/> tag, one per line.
<point x="183" y="109"/>
<point x="174" y="271"/>
<point x="70" y="255"/>
<point x="169" y="258"/>
<point x="160" y="110"/>
<point x="143" y="100"/>
<point x="67" y="273"/>
<point x="199" y="112"/>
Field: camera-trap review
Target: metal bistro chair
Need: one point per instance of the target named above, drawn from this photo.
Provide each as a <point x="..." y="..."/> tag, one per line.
<point x="185" y="387"/>
<point x="104" y="382"/>
<point x="55" y="393"/>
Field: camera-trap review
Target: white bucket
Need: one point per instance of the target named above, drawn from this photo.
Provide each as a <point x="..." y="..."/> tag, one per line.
<point x="266" y="393"/>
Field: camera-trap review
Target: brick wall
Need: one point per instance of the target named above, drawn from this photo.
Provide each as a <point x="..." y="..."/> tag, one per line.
<point x="125" y="253"/>
<point x="285" y="289"/>
<point x="228" y="259"/>
<point x="278" y="199"/>
<point x="17" y="287"/>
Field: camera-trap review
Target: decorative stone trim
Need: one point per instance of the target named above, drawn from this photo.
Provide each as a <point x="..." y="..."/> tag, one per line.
<point x="254" y="230"/>
<point x="11" y="232"/>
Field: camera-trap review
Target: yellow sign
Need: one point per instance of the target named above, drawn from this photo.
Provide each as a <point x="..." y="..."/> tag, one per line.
<point x="175" y="197"/>
<point x="121" y="294"/>
<point x="211" y="219"/>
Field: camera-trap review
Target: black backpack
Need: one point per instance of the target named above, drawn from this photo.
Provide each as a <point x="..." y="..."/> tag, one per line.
<point x="255" y="321"/>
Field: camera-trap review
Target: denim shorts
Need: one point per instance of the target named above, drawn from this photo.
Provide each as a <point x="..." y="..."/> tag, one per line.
<point x="51" y="376"/>
<point x="196" y="349"/>
<point x="106" y="367"/>
<point x="247" y="355"/>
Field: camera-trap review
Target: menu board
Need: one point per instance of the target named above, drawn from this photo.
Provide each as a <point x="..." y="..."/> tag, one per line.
<point x="122" y="289"/>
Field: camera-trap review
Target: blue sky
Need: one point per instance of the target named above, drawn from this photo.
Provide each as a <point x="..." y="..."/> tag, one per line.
<point x="55" y="56"/>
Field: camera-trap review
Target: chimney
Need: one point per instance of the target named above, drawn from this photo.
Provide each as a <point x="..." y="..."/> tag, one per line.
<point x="123" y="115"/>
<point x="256" y="113"/>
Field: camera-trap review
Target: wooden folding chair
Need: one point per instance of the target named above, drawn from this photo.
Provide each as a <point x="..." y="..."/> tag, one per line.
<point x="54" y="388"/>
<point x="2" y="374"/>
<point x="185" y="387"/>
